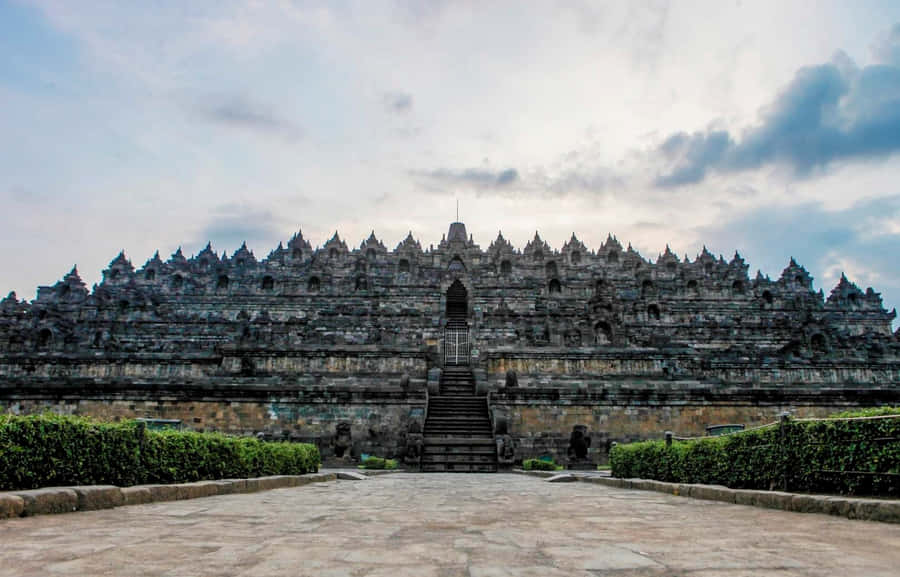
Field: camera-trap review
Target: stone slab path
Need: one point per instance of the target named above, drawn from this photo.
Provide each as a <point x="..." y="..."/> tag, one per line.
<point x="445" y="525"/>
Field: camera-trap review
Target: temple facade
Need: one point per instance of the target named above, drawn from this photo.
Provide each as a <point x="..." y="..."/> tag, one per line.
<point x="344" y="346"/>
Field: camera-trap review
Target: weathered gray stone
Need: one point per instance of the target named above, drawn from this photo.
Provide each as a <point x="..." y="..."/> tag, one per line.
<point x="93" y="497"/>
<point x="840" y="506"/>
<point x="224" y="487"/>
<point x="807" y="503"/>
<point x="237" y="485"/>
<point x="885" y="511"/>
<point x="351" y="476"/>
<point x="163" y="492"/>
<point x="11" y="505"/>
<point x="770" y="499"/>
<point x="713" y="493"/>
<point x="48" y="500"/>
<point x="562" y="478"/>
<point x="137" y="495"/>
<point x="575" y="336"/>
<point x="194" y="490"/>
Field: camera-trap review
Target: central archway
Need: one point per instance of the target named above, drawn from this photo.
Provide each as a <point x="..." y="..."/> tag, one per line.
<point x="457" y="304"/>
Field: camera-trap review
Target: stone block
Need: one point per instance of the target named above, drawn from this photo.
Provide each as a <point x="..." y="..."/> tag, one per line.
<point x="237" y="485"/>
<point x="562" y="478"/>
<point x="660" y="486"/>
<point x="840" y="506"/>
<point x="605" y="481"/>
<point x="11" y="505"/>
<point x="48" y="500"/>
<point x="807" y="504"/>
<point x="885" y="511"/>
<point x="162" y="492"/>
<point x="137" y="495"/>
<point x="94" y="497"/>
<point x="185" y="491"/>
<point x="224" y="487"/>
<point x="713" y="493"/>
<point x="745" y="497"/>
<point x="759" y="498"/>
<point x="208" y="488"/>
<point x="862" y="508"/>
<point x="273" y="482"/>
<point x="351" y="476"/>
<point x="251" y="486"/>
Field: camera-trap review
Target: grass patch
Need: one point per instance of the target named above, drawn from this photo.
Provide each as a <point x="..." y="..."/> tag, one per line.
<point x="378" y="463"/>
<point x="540" y="465"/>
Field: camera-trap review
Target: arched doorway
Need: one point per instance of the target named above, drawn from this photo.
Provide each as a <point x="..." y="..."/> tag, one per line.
<point x="456" y="332"/>
<point x="457" y="304"/>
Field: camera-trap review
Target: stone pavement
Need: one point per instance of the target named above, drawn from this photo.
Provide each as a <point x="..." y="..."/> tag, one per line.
<point x="446" y="525"/>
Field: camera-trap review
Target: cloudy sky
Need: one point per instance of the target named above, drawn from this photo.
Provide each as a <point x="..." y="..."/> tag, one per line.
<point x="772" y="128"/>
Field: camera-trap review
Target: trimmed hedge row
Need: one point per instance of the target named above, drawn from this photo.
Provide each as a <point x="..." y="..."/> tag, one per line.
<point x="874" y="412"/>
<point x="851" y="456"/>
<point x="52" y="450"/>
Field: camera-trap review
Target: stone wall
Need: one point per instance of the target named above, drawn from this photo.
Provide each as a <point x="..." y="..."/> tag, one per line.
<point x="379" y="394"/>
<point x="377" y="427"/>
<point x="626" y="396"/>
<point x="541" y="420"/>
<point x="298" y="342"/>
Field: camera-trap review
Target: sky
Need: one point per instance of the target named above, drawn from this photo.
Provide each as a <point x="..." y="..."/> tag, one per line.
<point x="770" y="128"/>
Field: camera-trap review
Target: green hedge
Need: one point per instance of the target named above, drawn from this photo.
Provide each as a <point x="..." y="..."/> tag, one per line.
<point x="859" y="456"/>
<point x="539" y="465"/>
<point x="48" y="450"/>
<point x="874" y="412"/>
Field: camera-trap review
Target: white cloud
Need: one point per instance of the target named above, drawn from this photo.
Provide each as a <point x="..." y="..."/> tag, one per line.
<point x="364" y="98"/>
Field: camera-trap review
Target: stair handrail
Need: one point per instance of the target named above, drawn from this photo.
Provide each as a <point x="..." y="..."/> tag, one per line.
<point x="424" y="420"/>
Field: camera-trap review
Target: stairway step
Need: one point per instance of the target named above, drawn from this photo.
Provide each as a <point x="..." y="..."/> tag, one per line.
<point x="457" y="419"/>
<point x="460" y="450"/>
<point x="458" y="432"/>
<point x="459" y="468"/>
<point x="465" y="432"/>
<point x="462" y="421"/>
<point x="483" y="440"/>
<point x="473" y="459"/>
<point x="467" y="427"/>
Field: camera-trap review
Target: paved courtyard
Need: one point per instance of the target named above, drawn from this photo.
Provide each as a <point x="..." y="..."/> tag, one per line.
<point x="447" y="525"/>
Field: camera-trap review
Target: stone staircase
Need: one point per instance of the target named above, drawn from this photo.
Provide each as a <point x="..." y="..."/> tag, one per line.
<point x="458" y="435"/>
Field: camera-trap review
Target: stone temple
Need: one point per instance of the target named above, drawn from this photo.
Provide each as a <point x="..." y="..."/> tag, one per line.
<point x="453" y="358"/>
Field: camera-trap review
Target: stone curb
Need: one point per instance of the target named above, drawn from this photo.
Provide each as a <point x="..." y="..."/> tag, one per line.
<point x="93" y="497"/>
<point x="541" y="474"/>
<point x="882" y="510"/>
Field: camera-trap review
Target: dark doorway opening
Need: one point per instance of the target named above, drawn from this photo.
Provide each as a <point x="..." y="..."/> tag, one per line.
<point x="457" y="304"/>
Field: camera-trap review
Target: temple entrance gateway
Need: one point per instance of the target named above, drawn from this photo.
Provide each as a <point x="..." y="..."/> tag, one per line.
<point x="458" y="433"/>
<point x="456" y="331"/>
